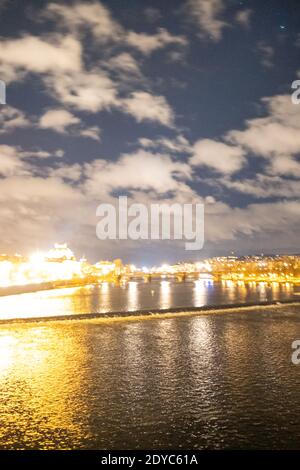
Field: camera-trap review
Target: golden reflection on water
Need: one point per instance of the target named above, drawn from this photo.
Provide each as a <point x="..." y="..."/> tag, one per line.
<point x="46" y="303"/>
<point x="134" y="295"/>
<point x="165" y="294"/>
<point x="200" y="293"/>
<point x="262" y="289"/>
<point x="200" y="382"/>
<point x="275" y="290"/>
<point x="241" y="291"/>
<point x="34" y="369"/>
<point x="104" y="287"/>
<point x="229" y="289"/>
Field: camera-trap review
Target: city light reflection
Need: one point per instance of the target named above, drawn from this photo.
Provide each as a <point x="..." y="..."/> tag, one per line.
<point x="37" y="361"/>
<point x="200" y="293"/>
<point x="132" y="296"/>
<point x="165" y="300"/>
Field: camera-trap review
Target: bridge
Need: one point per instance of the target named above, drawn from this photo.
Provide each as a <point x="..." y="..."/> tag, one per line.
<point x="149" y="276"/>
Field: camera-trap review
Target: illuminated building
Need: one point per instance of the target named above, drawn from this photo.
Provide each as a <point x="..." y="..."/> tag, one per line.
<point x="60" y="252"/>
<point x="59" y="263"/>
<point x="60" y="266"/>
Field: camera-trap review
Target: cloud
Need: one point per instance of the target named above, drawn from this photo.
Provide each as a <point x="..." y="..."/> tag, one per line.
<point x="243" y="17"/>
<point x="81" y="16"/>
<point x="86" y="91"/>
<point x="10" y="73"/>
<point x="209" y="17"/>
<point x="91" y="90"/>
<point x="264" y="186"/>
<point x="31" y="205"/>
<point x="32" y="212"/>
<point x="179" y="144"/>
<point x="58" y="120"/>
<point x="125" y="62"/>
<point x="141" y="170"/>
<point x="266" y="53"/>
<point x="10" y="162"/>
<point x="61" y="63"/>
<point x="12" y="118"/>
<point x="147" y="43"/>
<point x="41" y="154"/>
<point x="92" y="132"/>
<point x="95" y="92"/>
<point x="146" y="107"/>
<point x="39" y="55"/>
<point x="275" y="137"/>
<point x="284" y="165"/>
<point x="221" y="157"/>
<point x="67" y="172"/>
<point x="61" y="120"/>
<point x="89" y="65"/>
<point x="264" y="223"/>
<point x="14" y="160"/>
<point x="208" y="14"/>
<point x="31" y="197"/>
<point x="95" y="18"/>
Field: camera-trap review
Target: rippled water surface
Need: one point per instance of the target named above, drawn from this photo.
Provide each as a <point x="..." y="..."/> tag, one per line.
<point x="140" y="295"/>
<point x="210" y="381"/>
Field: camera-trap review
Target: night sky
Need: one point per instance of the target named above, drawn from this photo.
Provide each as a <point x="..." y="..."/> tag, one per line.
<point x="163" y="101"/>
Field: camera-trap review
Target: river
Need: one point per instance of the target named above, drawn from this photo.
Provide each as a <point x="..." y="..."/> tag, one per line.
<point x="133" y="296"/>
<point x="206" y="381"/>
<point x="212" y="381"/>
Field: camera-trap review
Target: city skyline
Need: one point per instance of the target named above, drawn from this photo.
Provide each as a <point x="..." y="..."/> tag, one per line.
<point x="59" y="267"/>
